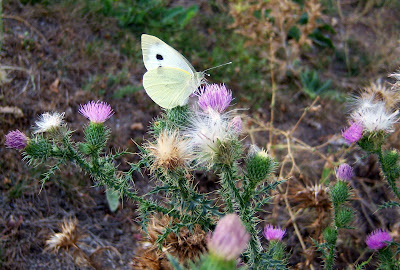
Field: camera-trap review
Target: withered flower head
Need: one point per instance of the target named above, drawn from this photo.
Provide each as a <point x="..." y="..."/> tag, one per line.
<point x="314" y="197"/>
<point x="187" y="245"/>
<point x="67" y="238"/>
<point x="170" y="151"/>
<point x="378" y="92"/>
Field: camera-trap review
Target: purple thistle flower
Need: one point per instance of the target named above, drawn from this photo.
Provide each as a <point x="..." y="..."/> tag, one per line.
<point x="376" y="240"/>
<point x="16" y="139"/>
<point x="344" y="172"/>
<point x="272" y="233"/>
<point x="96" y="112"/>
<point x="229" y="239"/>
<point x="215" y="97"/>
<point x="353" y="133"/>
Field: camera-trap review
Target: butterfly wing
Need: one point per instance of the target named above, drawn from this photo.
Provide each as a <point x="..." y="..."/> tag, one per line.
<point x="169" y="87"/>
<point x="157" y="53"/>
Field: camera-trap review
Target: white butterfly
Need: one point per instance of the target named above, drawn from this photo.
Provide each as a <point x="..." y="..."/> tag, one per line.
<point x="170" y="78"/>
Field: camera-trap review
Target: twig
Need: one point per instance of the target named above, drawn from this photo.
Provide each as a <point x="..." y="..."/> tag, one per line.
<point x="17" y="18"/>
<point x="303" y="115"/>
<point x="271" y="122"/>
<point x="31" y="76"/>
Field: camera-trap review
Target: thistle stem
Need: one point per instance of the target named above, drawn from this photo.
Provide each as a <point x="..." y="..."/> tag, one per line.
<point x="113" y="183"/>
<point x="229" y="181"/>
<point x="389" y="178"/>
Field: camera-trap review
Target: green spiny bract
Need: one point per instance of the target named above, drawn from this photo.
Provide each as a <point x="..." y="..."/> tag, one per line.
<point x="371" y="142"/>
<point x="386" y="259"/>
<point x="330" y="236"/>
<point x="96" y="136"/>
<point x="339" y="193"/>
<point x="344" y="216"/>
<point x="390" y="158"/>
<point x="178" y="116"/>
<point x="277" y="249"/>
<point x="158" y="126"/>
<point x="212" y="262"/>
<point x="227" y="152"/>
<point x="38" y="148"/>
<point x="259" y="166"/>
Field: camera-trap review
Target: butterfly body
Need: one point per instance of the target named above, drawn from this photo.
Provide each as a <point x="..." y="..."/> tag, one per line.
<point x="170" y="78"/>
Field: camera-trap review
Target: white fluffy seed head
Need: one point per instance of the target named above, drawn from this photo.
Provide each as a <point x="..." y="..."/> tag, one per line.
<point x="48" y="121"/>
<point x="206" y="134"/>
<point x="374" y="117"/>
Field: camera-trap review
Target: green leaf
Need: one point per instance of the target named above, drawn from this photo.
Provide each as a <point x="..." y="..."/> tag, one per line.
<point x="361" y="266"/>
<point x="174" y="262"/>
<point x="295" y="33"/>
<point x="321" y="39"/>
<point x="112" y="199"/>
<point x="303" y="18"/>
<point x="389" y="204"/>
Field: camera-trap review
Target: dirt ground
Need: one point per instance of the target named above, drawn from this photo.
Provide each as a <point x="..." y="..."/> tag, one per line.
<point x="49" y="59"/>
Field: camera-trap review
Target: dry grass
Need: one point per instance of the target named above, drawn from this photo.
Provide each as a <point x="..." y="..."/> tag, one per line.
<point x="267" y="24"/>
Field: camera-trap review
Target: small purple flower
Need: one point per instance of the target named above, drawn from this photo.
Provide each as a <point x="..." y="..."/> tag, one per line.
<point x="344" y="172"/>
<point x="353" y="133"/>
<point x="272" y="233"/>
<point x="96" y="112"/>
<point x="236" y="124"/>
<point x="215" y="97"/>
<point x="16" y="139"/>
<point x="229" y="239"/>
<point x="376" y="240"/>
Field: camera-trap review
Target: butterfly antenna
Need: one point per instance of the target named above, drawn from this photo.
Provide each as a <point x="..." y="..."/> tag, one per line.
<point x="217" y="66"/>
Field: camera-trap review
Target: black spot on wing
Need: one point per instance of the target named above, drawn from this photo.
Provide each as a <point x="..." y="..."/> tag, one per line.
<point x="159" y="57"/>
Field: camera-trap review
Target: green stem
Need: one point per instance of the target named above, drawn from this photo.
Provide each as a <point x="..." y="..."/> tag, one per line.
<point x="113" y="183"/>
<point x="386" y="257"/>
<point x="229" y="180"/>
<point x="391" y="181"/>
<point x="331" y="256"/>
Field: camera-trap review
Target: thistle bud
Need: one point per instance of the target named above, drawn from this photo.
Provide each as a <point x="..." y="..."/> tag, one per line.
<point x="16" y="139"/>
<point x="330" y="235"/>
<point x="38" y="148"/>
<point x="259" y="165"/>
<point x="343" y="217"/>
<point x="344" y="172"/>
<point x="339" y="193"/>
<point x="391" y="158"/>
<point x="229" y="239"/>
<point x="178" y="116"/>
